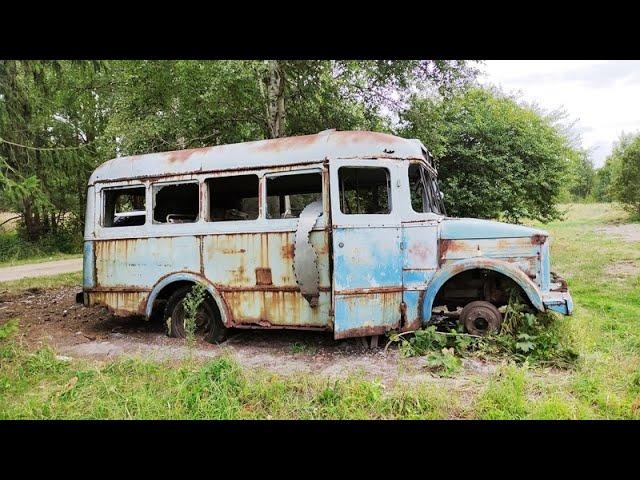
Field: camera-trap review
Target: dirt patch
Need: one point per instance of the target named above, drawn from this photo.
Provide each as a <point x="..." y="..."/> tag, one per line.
<point x="51" y="317"/>
<point x="622" y="270"/>
<point x="629" y="232"/>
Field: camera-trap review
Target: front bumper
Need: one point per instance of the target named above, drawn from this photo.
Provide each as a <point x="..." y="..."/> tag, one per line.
<point x="560" y="302"/>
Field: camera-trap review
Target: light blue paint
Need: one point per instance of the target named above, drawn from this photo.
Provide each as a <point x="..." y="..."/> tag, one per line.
<point x="88" y="266"/>
<point x="416" y="279"/>
<point x="368" y="258"/>
<point x="545" y="267"/>
<point x="467" y="228"/>
<point x="367" y="311"/>
<point x="142" y="262"/>
<point x="411" y="298"/>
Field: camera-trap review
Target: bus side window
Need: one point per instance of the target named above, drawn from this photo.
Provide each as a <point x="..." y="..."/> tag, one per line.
<point x="176" y="202"/>
<point x="287" y="195"/>
<point x="233" y="198"/>
<point x="124" y="207"/>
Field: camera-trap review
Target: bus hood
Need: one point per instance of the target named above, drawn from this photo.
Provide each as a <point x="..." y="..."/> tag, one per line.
<point x="467" y="228"/>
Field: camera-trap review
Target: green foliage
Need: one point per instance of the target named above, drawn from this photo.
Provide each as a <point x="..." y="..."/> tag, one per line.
<point x="52" y="281"/>
<point x="496" y="158"/>
<point x="8" y="329"/>
<point x="602" y="181"/>
<point x="60" y="119"/>
<point x="625" y="184"/>
<point x="191" y="303"/>
<point x="536" y="338"/>
<point x="524" y="337"/>
<point x="13" y="249"/>
<point x="581" y="178"/>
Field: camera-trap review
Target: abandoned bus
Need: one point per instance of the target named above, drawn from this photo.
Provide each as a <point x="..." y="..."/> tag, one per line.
<point x="338" y="231"/>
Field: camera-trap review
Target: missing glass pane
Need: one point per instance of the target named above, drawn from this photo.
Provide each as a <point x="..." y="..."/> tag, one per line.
<point x="287" y="195"/>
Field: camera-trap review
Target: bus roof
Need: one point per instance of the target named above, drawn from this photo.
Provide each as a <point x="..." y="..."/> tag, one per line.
<point x="263" y="153"/>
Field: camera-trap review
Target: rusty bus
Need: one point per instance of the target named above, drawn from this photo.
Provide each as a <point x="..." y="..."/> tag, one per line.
<point x="343" y="231"/>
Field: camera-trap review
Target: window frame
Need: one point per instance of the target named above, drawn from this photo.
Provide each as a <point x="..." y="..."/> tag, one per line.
<point x="398" y="186"/>
<point x="102" y="193"/>
<point x="408" y="212"/>
<point x="152" y="189"/>
<point x="306" y="171"/>
<point x="390" y="201"/>
<point x="207" y="195"/>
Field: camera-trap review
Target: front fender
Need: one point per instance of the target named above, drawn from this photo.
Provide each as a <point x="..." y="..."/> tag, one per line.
<point x="190" y="277"/>
<point x="450" y="270"/>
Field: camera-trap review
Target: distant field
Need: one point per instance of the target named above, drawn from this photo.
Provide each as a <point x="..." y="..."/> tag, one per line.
<point x="9" y="226"/>
<point x="595" y="248"/>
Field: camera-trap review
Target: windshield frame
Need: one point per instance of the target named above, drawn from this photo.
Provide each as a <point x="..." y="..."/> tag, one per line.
<point x="432" y="197"/>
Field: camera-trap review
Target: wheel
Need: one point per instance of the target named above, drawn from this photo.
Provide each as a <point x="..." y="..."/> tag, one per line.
<point x="480" y="318"/>
<point x="208" y="322"/>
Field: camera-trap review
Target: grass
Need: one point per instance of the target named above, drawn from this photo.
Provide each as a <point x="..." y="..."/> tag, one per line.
<point x="604" y="384"/>
<point x="52" y="281"/>
<point x="40" y="259"/>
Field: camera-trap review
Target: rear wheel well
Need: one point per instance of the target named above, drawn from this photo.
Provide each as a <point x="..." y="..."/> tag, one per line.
<point x="478" y="284"/>
<point x="160" y="302"/>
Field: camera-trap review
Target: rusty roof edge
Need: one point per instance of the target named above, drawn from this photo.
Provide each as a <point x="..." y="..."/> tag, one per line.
<point x="275" y="152"/>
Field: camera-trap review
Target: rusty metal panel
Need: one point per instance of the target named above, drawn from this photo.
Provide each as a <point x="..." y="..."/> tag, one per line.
<point x="367" y="280"/>
<point x="120" y="302"/>
<point x="420" y="254"/>
<point x="142" y="262"/>
<point x="365" y="314"/>
<point x="488" y="248"/>
<point x="281" y="251"/>
<point x="276" y="308"/>
<point x="237" y="265"/>
<point x="231" y="260"/>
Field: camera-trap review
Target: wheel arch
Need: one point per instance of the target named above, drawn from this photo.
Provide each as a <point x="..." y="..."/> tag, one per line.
<point x="500" y="266"/>
<point x="182" y="278"/>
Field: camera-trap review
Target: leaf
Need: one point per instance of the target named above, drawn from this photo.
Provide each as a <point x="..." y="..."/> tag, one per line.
<point x="525" y="347"/>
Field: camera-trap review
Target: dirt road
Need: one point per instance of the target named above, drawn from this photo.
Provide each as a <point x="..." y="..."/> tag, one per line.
<point x="40" y="269"/>
<point x="51" y="317"/>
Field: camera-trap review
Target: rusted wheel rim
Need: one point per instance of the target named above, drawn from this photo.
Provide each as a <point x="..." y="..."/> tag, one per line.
<point x="481" y="318"/>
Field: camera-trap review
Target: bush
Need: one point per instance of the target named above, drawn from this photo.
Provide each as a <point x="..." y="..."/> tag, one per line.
<point x="627" y="176"/>
<point x="536" y="338"/>
<point x="13" y="248"/>
<point x="496" y="157"/>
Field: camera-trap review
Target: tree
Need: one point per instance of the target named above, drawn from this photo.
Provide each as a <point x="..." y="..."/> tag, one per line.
<point x="581" y="176"/>
<point x="602" y="181"/>
<point x="60" y="119"/>
<point x="625" y="185"/>
<point x="50" y="116"/>
<point x="496" y="158"/>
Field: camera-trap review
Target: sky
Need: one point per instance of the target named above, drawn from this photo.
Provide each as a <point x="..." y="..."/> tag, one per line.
<point x="603" y="97"/>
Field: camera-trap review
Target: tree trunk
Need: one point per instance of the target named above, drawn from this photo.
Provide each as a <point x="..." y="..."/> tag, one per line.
<point x="274" y="86"/>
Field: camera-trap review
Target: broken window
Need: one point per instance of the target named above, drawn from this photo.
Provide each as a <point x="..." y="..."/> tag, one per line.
<point x="425" y="194"/>
<point x="124" y="207"/>
<point x="364" y="190"/>
<point x="233" y="198"/>
<point x="176" y="202"/>
<point x="287" y="195"/>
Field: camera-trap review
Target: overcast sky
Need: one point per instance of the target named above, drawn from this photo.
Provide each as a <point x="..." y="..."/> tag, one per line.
<point x="603" y="96"/>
